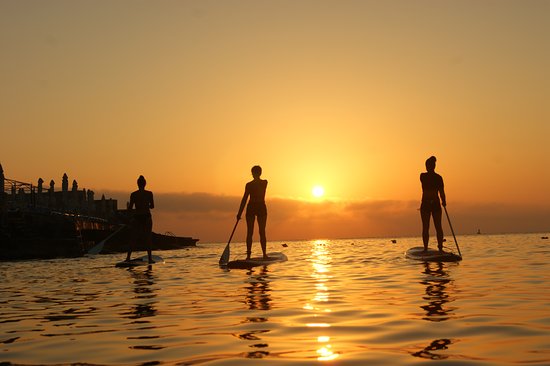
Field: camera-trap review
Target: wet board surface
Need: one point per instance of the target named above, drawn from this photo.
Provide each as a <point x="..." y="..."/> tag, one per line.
<point x="431" y="255"/>
<point x="140" y="261"/>
<point x="276" y="257"/>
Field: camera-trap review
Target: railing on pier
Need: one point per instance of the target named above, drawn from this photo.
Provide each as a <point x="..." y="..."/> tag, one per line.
<point x="18" y="194"/>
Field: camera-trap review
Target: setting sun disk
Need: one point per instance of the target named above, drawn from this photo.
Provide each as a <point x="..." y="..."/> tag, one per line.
<point x="318" y="191"/>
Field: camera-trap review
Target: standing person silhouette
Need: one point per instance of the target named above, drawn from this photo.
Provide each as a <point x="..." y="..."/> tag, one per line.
<point x="432" y="190"/>
<point x="255" y="190"/>
<point x="141" y="217"/>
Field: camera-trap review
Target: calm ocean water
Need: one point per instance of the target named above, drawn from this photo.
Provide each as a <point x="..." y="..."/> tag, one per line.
<point x="335" y="302"/>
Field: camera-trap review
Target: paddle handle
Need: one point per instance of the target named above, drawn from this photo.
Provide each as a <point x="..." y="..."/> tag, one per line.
<point x="452" y="231"/>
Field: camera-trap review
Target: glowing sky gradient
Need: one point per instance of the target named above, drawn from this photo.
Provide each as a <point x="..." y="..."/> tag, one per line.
<point x="349" y="95"/>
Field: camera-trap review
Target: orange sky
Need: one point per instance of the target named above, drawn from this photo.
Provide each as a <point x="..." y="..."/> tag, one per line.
<point x="350" y="95"/>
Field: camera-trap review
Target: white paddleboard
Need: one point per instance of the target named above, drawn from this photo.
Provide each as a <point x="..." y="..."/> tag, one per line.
<point x="275" y="257"/>
<point x="140" y="261"/>
<point x="431" y="255"/>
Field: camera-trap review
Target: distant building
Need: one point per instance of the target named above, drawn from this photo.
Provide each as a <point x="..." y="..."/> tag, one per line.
<point x="19" y="195"/>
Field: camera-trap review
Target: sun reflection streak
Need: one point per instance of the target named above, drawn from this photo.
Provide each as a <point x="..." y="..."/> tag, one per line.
<point x="318" y="325"/>
<point x="320" y="262"/>
<point x="325" y="351"/>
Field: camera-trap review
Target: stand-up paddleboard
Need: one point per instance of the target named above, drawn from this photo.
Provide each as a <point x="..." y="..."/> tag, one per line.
<point x="431" y="255"/>
<point x="143" y="260"/>
<point x="257" y="261"/>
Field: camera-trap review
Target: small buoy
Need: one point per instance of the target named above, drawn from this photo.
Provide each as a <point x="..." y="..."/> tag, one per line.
<point x="285" y="245"/>
<point x="394" y="241"/>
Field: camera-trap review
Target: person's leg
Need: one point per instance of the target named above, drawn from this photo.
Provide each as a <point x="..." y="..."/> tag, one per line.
<point x="438" y="228"/>
<point x="129" y="253"/>
<point x="425" y="215"/>
<point x="134" y="228"/>
<point x="149" y="237"/>
<point x="249" y="233"/>
<point x="262" y="220"/>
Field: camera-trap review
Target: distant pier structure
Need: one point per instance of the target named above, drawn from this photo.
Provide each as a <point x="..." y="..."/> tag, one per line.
<point x="16" y="195"/>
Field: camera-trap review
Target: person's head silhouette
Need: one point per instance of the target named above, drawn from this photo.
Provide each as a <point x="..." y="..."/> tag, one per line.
<point x="141" y="182"/>
<point x="256" y="171"/>
<point x="430" y="163"/>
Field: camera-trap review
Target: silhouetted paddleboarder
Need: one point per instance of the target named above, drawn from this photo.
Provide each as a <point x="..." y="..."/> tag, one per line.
<point x="432" y="190"/>
<point x="142" y="221"/>
<point x="255" y="190"/>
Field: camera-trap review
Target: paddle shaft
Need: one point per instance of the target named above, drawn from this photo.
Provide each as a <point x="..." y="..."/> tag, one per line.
<point x="99" y="247"/>
<point x="225" y="255"/>
<point x="233" y="232"/>
<point x="452" y="231"/>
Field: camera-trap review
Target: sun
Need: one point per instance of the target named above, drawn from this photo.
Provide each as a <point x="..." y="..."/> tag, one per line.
<point x="318" y="191"/>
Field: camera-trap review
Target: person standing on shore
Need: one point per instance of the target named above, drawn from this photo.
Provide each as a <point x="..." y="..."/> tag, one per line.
<point x="142" y="221"/>
<point x="432" y="190"/>
<point x="255" y="190"/>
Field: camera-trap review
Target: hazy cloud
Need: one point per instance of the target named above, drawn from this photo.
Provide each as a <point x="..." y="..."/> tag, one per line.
<point x="211" y="217"/>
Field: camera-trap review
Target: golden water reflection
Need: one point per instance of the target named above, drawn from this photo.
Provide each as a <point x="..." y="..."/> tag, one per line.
<point x="145" y="295"/>
<point x="439" y="290"/>
<point x="321" y="265"/>
<point x="257" y="297"/>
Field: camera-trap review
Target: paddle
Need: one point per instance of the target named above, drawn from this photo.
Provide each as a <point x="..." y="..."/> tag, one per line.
<point x="452" y="231"/>
<point x="226" y="252"/>
<point x="99" y="246"/>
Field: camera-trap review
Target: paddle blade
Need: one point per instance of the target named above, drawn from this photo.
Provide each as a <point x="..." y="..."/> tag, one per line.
<point x="97" y="248"/>
<point x="225" y="256"/>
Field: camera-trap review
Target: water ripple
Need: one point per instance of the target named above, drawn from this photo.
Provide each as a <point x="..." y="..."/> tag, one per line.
<point x="335" y="302"/>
